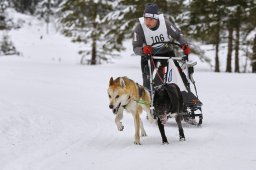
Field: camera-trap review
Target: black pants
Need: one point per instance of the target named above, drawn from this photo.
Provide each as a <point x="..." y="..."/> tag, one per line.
<point x="159" y="78"/>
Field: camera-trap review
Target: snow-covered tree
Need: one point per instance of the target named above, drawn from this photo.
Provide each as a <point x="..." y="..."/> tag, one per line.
<point x="3" y="5"/>
<point x="83" y="21"/>
<point x="47" y="10"/>
<point x="6" y="45"/>
<point x="206" y="21"/>
<point x="239" y="23"/>
<point x="222" y="21"/>
<point x="250" y="25"/>
<point x="25" y="6"/>
<point x="254" y="56"/>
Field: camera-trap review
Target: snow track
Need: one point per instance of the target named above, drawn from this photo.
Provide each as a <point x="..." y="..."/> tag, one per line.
<point x="55" y="116"/>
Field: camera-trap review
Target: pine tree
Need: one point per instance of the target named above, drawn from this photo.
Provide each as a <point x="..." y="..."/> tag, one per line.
<point x="82" y="20"/>
<point x="239" y="14"/>
<point x="122" y="20"/>
<point x="25" y="6"/>
<point x="211" y="20"/>
<point x="6" y="45"/>
<point x="230" y="49"/>
<point x="244" y="22"/>
<point x="249" y="27"/>
<point x="254" y="56"/>
<point x="47" y="10"/>
<point x="206" y="23"/>
<point x="239" y="17"/>
<point x="3" y="5"/>
<point x="230" y="22"/>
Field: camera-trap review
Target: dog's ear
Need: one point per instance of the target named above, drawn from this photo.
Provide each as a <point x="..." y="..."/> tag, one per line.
<point x="122" y="82"/>
<point x="111" y="81"/>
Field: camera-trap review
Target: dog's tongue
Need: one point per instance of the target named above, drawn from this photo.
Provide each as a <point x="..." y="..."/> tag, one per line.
<point x="163" y="118"/>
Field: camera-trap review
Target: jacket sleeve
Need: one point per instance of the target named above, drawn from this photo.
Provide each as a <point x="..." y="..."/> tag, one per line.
<point x="138" y="40"/>
<point x="175" y="33"/>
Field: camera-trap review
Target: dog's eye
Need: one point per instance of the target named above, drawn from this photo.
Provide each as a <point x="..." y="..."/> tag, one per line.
<point x="117" y="96"/>
<point x="109" y="96"/>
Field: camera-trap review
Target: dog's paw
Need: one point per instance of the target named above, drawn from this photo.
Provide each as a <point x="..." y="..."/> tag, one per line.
<point x="143" y="134"/>
<point x="182" y="139"/>
<point x="165" y="142"/>
<point x="137" y="143"/>
<point x="120" y="128"/>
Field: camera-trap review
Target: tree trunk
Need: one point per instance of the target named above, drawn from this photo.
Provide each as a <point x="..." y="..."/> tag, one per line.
<point x="217" y="64"/>
<point x="48" y="16"/>
<point x="238" y="24"/>
<point x="217" y="42"/>
<point x="254" y="56"/>
<point x="246" y="57"/>
<point x="94" y="52"/>
<point x="237" y="50"/>
<point x="230" y="49"/>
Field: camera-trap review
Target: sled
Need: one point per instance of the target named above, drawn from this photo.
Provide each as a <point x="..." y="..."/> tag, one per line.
<point x="178" y="70"/>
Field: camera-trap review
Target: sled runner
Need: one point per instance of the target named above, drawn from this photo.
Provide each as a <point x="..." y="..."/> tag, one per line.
<point x="179" y="70"/>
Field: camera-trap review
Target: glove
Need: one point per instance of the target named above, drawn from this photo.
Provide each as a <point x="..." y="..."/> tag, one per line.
<point x="186" y="49"/>
<point x="147" y="50"/>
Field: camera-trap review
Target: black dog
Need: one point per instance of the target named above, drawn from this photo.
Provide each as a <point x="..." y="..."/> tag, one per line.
<point x="168" y="102"/>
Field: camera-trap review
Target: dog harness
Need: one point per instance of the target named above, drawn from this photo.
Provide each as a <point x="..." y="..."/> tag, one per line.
<point x="141" y="90"/>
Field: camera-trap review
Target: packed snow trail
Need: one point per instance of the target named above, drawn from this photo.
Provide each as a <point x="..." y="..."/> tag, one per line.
<point x="54" y="115"/>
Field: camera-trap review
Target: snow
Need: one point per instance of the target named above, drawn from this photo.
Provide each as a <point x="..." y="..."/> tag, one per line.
<point x="54" y="114"/>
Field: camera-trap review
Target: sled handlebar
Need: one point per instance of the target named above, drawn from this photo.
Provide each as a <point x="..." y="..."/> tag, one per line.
<point x="167" y="44"/>
<point x="167" y="58"/>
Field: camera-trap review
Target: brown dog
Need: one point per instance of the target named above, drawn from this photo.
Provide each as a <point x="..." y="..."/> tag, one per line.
<point x="124" y="93"/>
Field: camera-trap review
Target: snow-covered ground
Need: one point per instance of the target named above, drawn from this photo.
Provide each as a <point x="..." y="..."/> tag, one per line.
<point x="54" y="115"/>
